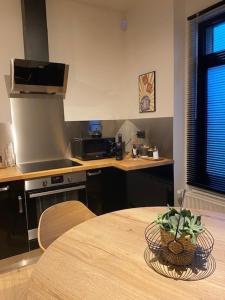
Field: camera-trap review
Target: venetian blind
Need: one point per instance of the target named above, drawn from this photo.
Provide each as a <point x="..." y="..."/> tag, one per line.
<point x="206" y="101"/>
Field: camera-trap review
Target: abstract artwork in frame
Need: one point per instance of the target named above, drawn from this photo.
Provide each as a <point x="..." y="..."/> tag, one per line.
<point x="146" y="83"/>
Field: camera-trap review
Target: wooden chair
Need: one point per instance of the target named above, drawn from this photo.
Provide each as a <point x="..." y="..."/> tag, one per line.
<point x="59" y="218"/>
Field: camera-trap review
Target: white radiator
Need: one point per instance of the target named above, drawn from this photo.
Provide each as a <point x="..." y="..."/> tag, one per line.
<point x="202" y="200"/>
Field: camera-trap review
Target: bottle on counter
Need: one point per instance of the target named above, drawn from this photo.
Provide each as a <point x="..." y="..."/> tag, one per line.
<point x="119" y="148"/>
<point x="155" y="153"/>
<point x="140" y="141"/>
<point x="134" y="153"/>
<point x="1" y="162"/>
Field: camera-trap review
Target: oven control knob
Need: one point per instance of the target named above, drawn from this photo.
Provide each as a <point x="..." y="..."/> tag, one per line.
<point x="44" y="183"/>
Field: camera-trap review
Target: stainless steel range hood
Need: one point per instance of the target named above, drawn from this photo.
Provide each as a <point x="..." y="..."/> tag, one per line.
<point x="37" y="77"/>
<point x="38" y="119"/>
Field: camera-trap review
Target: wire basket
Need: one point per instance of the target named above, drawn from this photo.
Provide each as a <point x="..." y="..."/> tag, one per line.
<point x="197" y="270"/>
<point x="180" y="252"/>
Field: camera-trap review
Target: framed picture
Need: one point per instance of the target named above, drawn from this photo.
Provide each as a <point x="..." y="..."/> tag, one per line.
<point x="146" y="84"/>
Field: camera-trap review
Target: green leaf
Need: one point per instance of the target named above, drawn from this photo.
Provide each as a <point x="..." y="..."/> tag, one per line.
<point x="189" y="223"/>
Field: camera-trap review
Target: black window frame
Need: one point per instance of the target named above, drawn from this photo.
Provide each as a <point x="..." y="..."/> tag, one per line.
<point x="198" y="156"/>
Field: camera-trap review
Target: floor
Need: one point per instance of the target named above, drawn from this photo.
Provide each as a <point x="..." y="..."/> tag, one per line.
<point x="15" y="273"/>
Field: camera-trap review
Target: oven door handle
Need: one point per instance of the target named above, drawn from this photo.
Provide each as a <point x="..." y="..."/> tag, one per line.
<point x="58" y="191"/>
<point x="95" y="173"/>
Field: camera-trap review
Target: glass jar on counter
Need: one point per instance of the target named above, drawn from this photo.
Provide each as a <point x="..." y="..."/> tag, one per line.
<point x="150" y="152"/>
<point x="144" y="150"/>
<point x="155" y="153"/>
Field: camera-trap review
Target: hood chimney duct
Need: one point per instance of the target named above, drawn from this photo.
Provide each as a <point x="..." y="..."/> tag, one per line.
<point x="35" y="31"/>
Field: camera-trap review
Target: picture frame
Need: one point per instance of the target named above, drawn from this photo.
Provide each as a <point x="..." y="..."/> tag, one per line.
<point x="146" y="85"/>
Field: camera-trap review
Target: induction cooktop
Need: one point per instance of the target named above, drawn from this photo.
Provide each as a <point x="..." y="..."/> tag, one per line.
<point x="47" y="165"/>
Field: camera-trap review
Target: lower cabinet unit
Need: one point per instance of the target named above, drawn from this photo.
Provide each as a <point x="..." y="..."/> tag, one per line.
<point x="95" y="192"/>
<point x="108" y="189"/>
<point x="105" y="190"/>
<point x="111" y="189"/>
<point x="114" y="190"/>
<point x="13" y="226"/>
<point x="150" y="187"/>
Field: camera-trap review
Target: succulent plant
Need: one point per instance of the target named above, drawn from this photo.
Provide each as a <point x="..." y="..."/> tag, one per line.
<point x="189" y="224"/>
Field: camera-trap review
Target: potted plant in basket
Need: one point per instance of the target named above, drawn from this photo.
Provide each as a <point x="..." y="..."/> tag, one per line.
<point x="179" y="232"/>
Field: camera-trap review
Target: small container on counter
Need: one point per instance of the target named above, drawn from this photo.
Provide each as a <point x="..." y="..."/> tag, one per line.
<point x="155" y="153"/>
<point x="144" y="150"/>
<point x="150" y="152"/>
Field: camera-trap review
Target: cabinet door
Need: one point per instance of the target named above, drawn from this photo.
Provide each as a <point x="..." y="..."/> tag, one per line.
<point x="105" y="190"/>
<point x="150" y="187"/>
<point x="95" y="196"/>
<point x="13" y="227"/>
<point x="114" y="181"/>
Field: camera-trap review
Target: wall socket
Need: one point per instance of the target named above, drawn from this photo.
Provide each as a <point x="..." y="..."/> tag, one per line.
<point x="141" y="134"/>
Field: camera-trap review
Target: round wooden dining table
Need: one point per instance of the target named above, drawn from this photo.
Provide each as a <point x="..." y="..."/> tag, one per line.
<point x="103" y="259"/>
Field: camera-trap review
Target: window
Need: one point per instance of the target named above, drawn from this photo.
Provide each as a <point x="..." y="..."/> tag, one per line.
<point x="206" y="108"/>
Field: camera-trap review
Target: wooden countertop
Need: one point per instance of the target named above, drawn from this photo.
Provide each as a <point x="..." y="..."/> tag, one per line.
<point x="104" y="258"/>
<point x="127" y="164"/>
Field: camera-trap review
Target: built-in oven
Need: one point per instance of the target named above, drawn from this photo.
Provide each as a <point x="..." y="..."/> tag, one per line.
<point x="44" y="192"/>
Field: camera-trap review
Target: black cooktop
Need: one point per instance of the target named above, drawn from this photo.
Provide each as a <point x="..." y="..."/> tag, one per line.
<point x="46" y="165"/>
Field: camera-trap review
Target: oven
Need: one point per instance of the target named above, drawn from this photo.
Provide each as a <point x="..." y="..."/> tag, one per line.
<point x="44" y="192"/>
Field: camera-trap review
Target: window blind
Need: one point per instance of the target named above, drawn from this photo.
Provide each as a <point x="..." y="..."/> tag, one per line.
<point x="206" y="102"/>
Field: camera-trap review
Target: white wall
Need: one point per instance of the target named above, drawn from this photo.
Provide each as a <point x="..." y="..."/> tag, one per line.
<point x="105" y="61"/>
<point x="11" y="46"/>
<point x="90" y="40"/>
<point x="149" y="47"/>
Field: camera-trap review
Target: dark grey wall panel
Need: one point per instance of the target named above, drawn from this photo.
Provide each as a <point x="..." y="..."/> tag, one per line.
<point x="158" y="131"/>
<point x="35" y="32"/>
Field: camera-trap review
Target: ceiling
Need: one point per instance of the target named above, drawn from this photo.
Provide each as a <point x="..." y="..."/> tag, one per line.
<point x="119" y="5"/>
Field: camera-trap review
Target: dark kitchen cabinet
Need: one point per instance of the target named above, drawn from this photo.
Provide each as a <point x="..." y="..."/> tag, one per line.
<point x="13" y="226"/>
<point x="114" y="190"/>
<point x="105" y="190"/>
<point x="111" y="189"/>
<point x="150" y="187"/>
<point x="95" y="193"/>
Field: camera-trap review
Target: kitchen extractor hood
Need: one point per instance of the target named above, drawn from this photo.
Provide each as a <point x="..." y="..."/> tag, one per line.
<point x="36" y="77"/>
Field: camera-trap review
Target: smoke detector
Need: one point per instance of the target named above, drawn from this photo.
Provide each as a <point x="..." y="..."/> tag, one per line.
<point x="123" y="24"/>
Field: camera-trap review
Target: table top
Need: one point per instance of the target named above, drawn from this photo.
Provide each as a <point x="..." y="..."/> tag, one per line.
<point x="103" y="258"/>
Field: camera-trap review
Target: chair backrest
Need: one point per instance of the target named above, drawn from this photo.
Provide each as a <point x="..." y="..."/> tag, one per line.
<point x="59" y="218"/>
